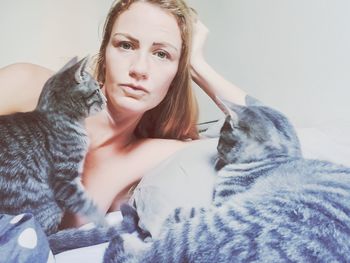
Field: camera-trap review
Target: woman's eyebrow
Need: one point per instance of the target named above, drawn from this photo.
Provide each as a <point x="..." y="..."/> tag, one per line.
<point x="162" y="44"/>
<point x="127" y="36"/>
<point x="165" y="44"/>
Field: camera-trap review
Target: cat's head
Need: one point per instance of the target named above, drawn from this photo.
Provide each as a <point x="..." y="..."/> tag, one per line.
<point x="254" y="133"/>
<point x="73" y="91"/>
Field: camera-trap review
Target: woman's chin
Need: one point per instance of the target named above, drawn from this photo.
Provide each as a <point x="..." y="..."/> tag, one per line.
<point x="132" y="105"/>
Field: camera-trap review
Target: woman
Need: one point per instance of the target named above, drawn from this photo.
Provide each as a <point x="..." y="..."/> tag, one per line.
<point x="150" y="51"/>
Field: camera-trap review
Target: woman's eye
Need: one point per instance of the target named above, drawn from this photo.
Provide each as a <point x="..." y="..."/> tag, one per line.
<point x="125" y="45"/>
<point x="162" y="54"/>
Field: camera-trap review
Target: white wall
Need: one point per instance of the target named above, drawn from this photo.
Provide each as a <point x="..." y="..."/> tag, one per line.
<point x="49" y="32"/>
<point x="291" y="54"/>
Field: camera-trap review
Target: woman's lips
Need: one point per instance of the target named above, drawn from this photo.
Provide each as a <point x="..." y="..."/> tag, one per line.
<point x="133" y="90"/>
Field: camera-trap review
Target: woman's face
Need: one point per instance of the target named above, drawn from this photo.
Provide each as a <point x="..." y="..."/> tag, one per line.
<point x="142" y="57"/>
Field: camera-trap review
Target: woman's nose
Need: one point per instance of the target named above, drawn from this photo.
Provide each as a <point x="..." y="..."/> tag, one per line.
<point x="139" y="68"/>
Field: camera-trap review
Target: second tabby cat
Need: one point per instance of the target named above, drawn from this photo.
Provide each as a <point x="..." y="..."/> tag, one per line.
<point x="270" y="204"/>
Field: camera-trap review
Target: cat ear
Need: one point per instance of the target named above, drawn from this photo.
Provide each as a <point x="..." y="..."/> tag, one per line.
<point x="229" y="108"/>
<point x="69" y="64"/>
<point x="80" y="73"/>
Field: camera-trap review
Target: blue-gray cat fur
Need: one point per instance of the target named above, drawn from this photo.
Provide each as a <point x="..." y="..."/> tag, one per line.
<point x="42" y="151"/>
<point x="269" y="205"/>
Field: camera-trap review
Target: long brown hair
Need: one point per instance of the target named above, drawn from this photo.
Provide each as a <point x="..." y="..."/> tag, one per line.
<point x="176" y="116"/>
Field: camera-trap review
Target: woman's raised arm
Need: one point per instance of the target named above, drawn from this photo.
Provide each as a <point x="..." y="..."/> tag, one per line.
<point x="206" y="77"/>
<point x="20" y="86"/>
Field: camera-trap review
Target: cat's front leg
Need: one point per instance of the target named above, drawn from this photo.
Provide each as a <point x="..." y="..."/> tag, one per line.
<point x="72" y="196"/>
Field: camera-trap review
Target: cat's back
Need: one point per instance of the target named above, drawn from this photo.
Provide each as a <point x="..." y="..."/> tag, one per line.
<point x="40" y="135"/>
<point x="24" y="161"/>
<point x="23" y="129"/>
<point x="298" y="213"/>
<point x="302" y="179"/>
<point x="311" y="171"/>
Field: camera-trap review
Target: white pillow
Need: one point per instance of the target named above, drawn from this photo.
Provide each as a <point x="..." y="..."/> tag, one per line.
<point x="184" y="179"/>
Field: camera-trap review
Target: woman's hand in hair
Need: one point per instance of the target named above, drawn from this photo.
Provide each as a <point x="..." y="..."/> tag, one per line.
<point x="210" y="81"/>
<point x="199" y="37"/>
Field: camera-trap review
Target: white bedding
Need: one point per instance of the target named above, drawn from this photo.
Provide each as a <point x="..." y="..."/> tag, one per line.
<point x="328" y="143"/>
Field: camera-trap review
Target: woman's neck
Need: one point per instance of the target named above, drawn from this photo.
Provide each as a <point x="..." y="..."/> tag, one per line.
<point x="108" y="127"/>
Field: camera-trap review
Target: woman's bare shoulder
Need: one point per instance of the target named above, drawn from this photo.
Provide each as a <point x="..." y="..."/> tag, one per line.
<point x="20" y="86"/>
<point x="162" y="148"/>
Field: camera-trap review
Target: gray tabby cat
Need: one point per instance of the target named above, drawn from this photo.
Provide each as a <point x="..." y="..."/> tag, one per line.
<point x="42" y="151"/>
<point x="270" y="204"/>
